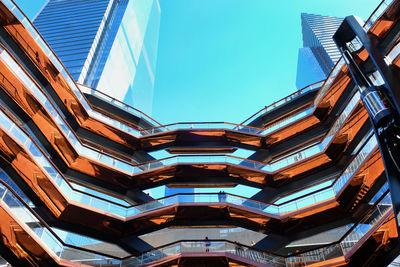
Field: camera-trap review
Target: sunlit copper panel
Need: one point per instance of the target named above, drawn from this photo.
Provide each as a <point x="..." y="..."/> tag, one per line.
<point x="113" y="224"/>
<point x="348" y="202"/>
<point x="116" y="135"/>
<point x="93" y="168"/>
<point x="383" y="25"/>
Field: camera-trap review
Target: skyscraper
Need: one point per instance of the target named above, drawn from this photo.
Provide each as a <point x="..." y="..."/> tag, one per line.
<point x="71" y="196"/>
<point x="308" y="68"/>
<point x="106" y="44"/>
<point x="319" y="53"/>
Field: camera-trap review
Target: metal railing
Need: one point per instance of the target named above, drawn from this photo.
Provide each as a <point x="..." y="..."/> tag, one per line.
<point x="53" y="244"/>
<point x="24" y="140"/>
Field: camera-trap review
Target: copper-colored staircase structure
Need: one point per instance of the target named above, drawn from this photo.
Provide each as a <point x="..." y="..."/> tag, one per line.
<point x="74" y="161"/>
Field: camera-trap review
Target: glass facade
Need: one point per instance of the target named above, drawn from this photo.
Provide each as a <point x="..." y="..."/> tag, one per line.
<point x="308" y="68"/>
<point x="131" y="64"/>
<point x="106" y="44"/>
<point x="66" y="202"/>
<point x="319" y="53"/>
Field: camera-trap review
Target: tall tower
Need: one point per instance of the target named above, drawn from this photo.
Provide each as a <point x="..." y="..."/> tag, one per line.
<point x="109" y="45"/>
<point x="319" y="53"/>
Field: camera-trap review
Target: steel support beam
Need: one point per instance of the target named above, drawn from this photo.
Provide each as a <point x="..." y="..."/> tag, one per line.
<point x="382" y="101"/>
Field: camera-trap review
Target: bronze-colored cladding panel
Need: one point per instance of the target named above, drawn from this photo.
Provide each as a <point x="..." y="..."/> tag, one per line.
<point x="292" y="129"/>
<point x="30" y="171"/>
<point x="314" y="164"/>
<point x="18" y="240"/>
<point x="337" y="88"/>
<point x="33" y="108"/>
<point x="119" y="178"/>
<point x="111" y="175"/>
<point x="104" y="221"/>
<point x="46" y="190"/>
<point x="385" y="23"/>
<point x="376" y="247"/>
<point x="353" y="125"/>
<point x="90" y="167"/>
<point x="198" y="259"/>
<point x="84" y="120"/>
<point x="49" y="192"/>
<point x="64" y="148"/>
<point x="367" y="176"/>
<point x="116" y="225"/>
<point x="396" y="62"/>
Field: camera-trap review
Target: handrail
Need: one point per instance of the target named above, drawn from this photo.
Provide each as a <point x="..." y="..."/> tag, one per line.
<point x="236" y="244"/>
<point x="50" y="161"/>
<point x="395" y="46"/>
<point x="285" y="99"/>
<point x="119" y="101"/>
<point x="70" y="131"/>
<point x="367" y="25"/>
<point x="201" y="122"/>
<point x="267" y="203"/>
<point x="49" y="51"/>
<point x="233" y="157"/>
<point x="348" y="232"/>
<point x="138" y="165"/>
<point x="56" y="115"/>
<point x="59" y="65"/>
<point x="351" y="228"/>
<point x="384" y="1"/>
<point x="367" y="141"/>
<point x="65" y="123"/>
<point x="44" y="222"/>
<point x="66" y="180"/>
<point x="340" y="63"/>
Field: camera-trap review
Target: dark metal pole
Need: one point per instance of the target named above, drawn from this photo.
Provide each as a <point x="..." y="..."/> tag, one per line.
<point x="381" y="101"/>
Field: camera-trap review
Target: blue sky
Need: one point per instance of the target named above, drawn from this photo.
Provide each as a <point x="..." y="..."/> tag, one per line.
<point x="223" y="60"/>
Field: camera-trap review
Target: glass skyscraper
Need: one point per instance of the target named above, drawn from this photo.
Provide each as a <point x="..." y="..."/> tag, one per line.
<point x="109" y="45"/>
<point x="308" y="68"/>
<point x="74" y="171"/>
<point x="319" y="53"/>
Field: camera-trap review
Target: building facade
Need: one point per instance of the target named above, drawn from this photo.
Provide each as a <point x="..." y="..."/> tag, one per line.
<point x="74" y="169"/>
<point x="106" y="44"/>
<point x="319" y="53"/>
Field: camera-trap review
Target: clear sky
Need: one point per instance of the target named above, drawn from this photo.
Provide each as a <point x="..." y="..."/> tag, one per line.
<point x="223" y="60"/>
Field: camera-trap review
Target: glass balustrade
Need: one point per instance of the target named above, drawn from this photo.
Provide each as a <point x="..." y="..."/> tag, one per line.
<point x="125" y="166"/>
<point x="125" y="211"/>
<point x="345" y="246"/>
<point x="87" y="90"/>
<point x="394" y="52"/>
<point x="68" y="132"/>
<point x="128" y="167"/>
<point x="325" y="84"/>
<point x="25" y="216"/>
<point x="364" y="153"/>
<point x="63" y="251"/>
<point x="126" y="128"/>
<point x="348" y="242"/>
<point x="329" y="81"/>
<point x="361" y="230"/>
<point x="200" y="247"/>
<point x="55" y="244"/>
<point x="371" y="21"/>
<point x="286" y="100"/>
<point x="377" y="13"/>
